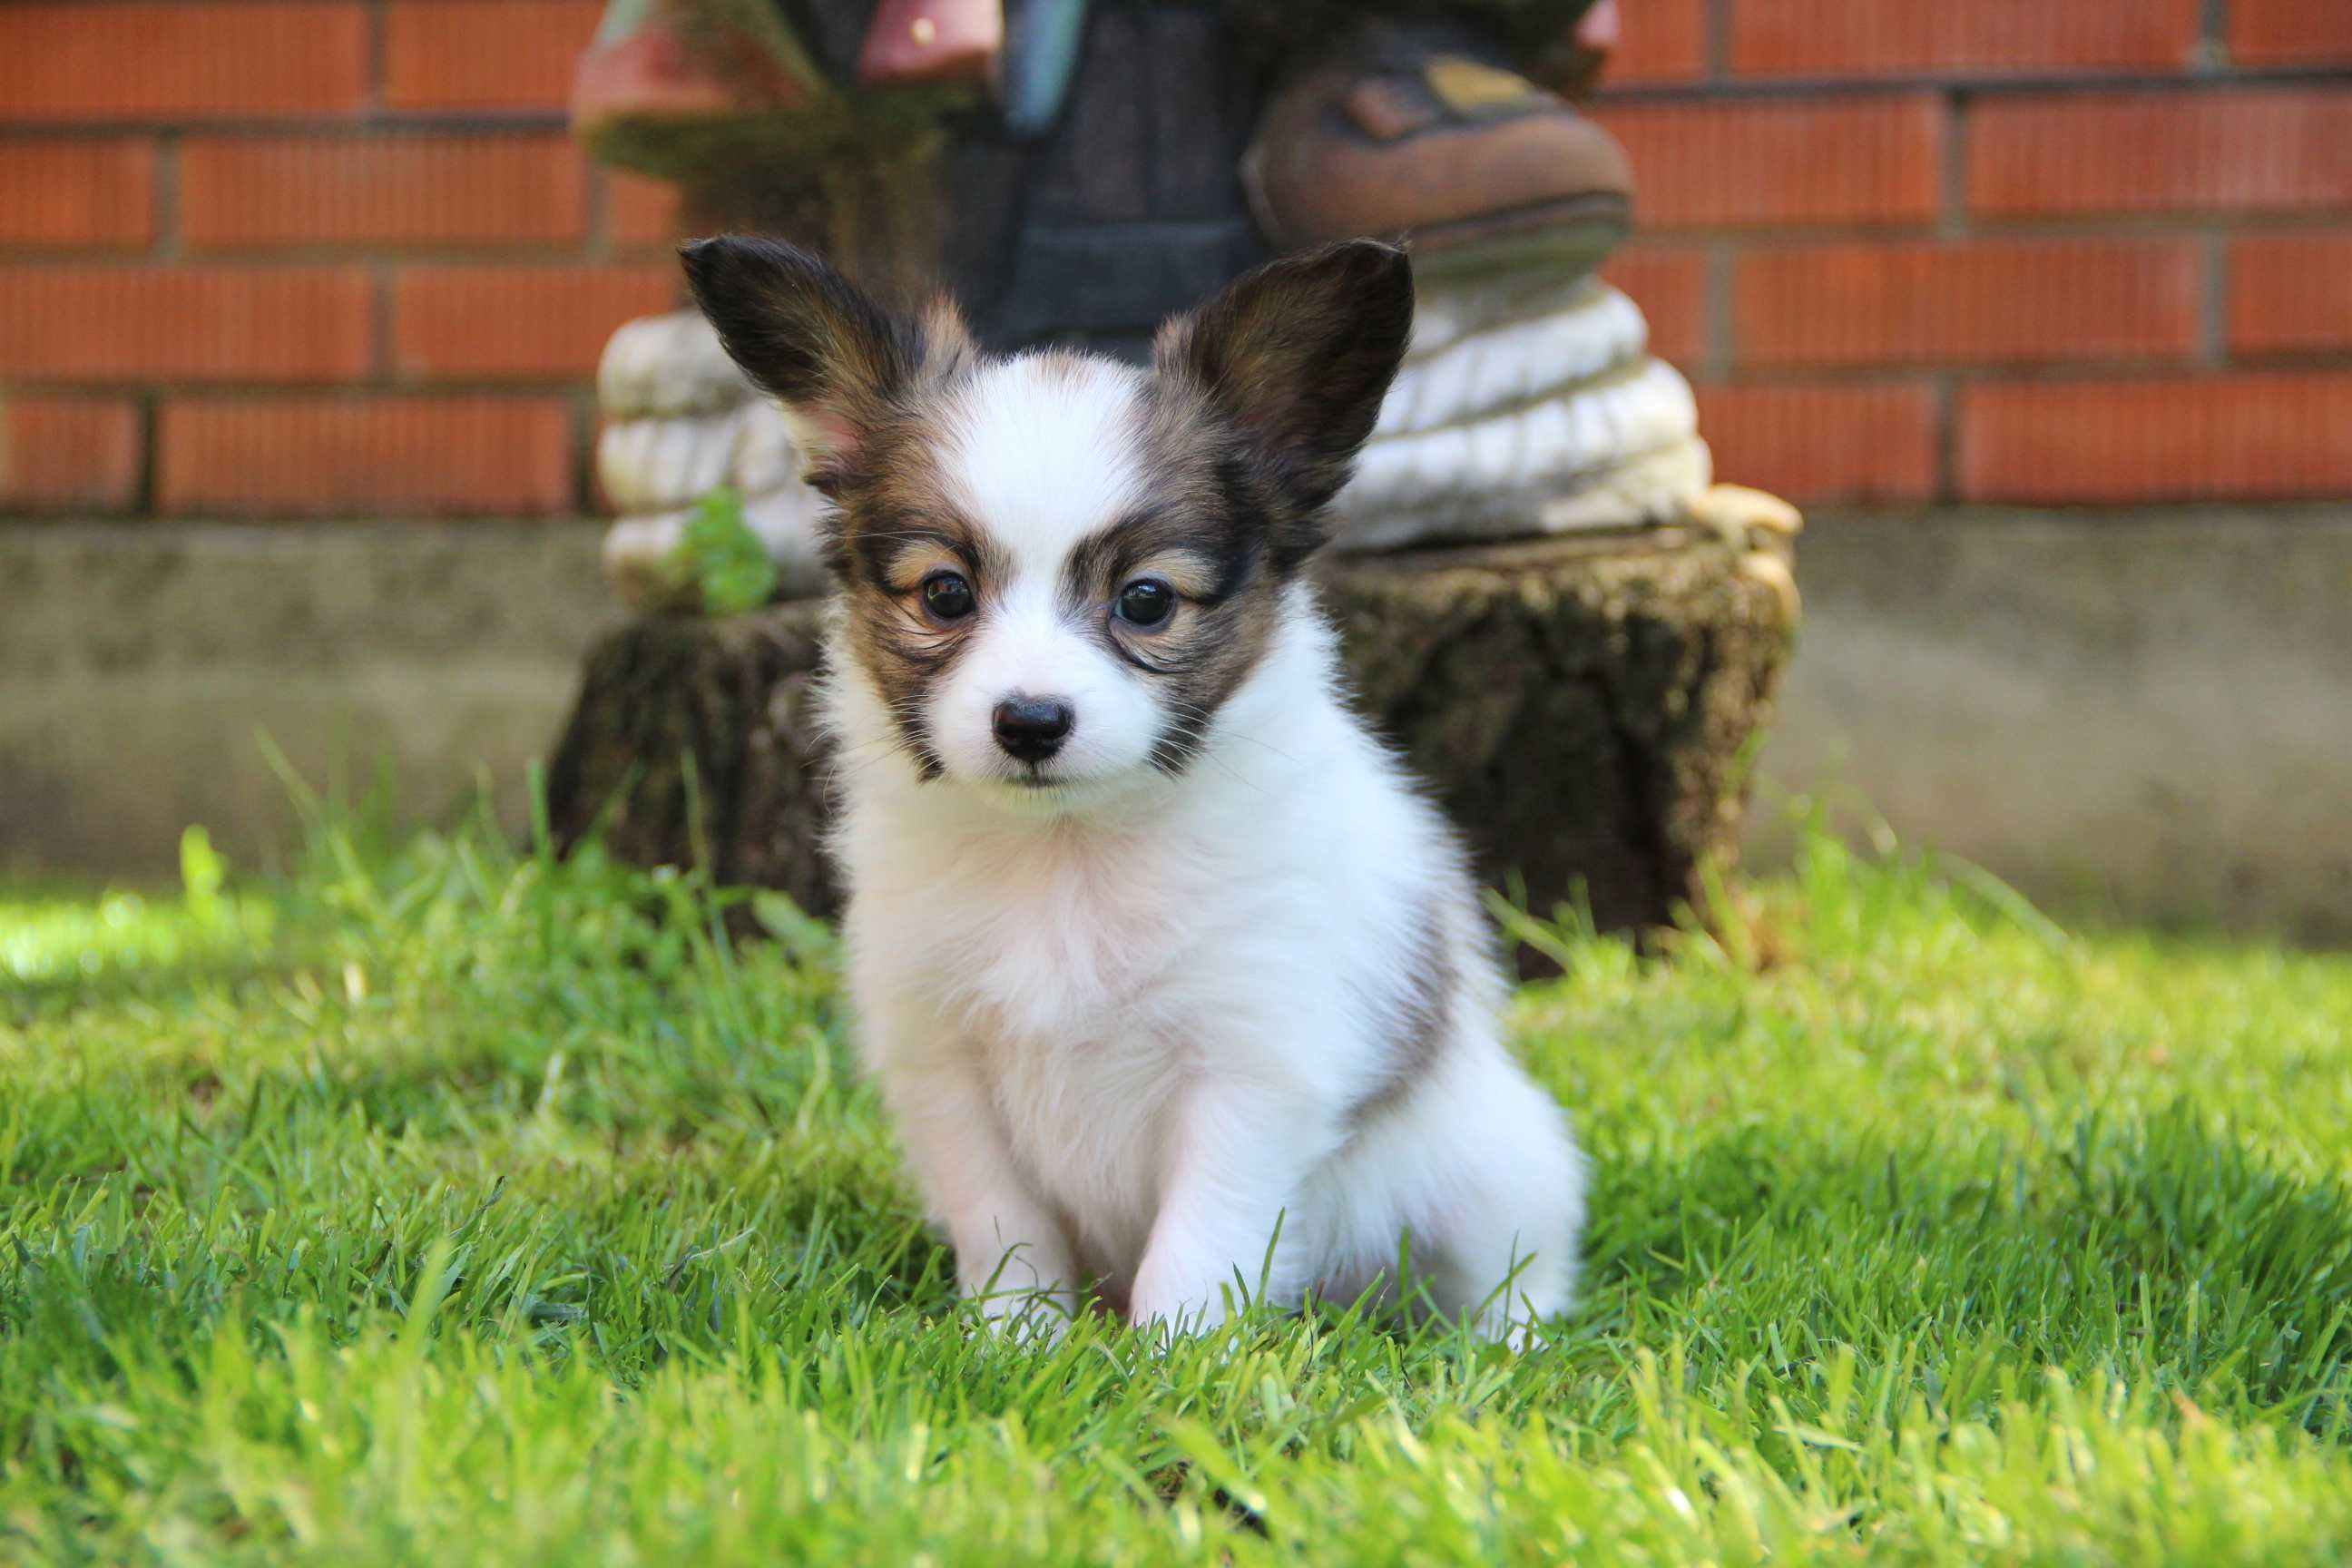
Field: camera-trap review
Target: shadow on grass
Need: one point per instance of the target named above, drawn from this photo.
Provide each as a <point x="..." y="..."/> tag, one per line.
<point x="58" y="993"/>
<point x="2148" y="1248"/>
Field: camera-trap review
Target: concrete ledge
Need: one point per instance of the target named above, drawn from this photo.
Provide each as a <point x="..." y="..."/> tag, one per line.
<point x="140" y="663"/>
<point x="2150" y="711"/>
<point x="2147" y="710"/>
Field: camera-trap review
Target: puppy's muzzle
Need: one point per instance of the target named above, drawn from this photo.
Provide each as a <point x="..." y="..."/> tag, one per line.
<point x="1031" y="729"/>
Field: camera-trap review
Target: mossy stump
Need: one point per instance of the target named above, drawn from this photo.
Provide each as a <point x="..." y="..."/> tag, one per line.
<point x="1582" y="706"/>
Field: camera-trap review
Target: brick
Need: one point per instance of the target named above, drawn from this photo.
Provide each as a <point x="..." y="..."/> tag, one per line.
<point x="472" y="56"/>
<point x="641" y="213"/>
<point x="204" y="323"/>
<point x="244" y="59"/>
<point x="376" y="456"/>
<point x="1989" y="302"/>
<point x="2289" y="32"/>
<point x="465" y="322"/>
<point x="398" y="188"/>
<point x="2290" y="293"/>
<point x="70" y="452"/>
<point x="2238" y="436"/>
<point x="2237" y="150"/>
<point x="1927" y="37"/>
<point x="1824" y="444"/>
<point x="76" y="194"/>
<point x="1664" y="41"/>
<point x="1854" y="161"/>
<point x="1670" y="285"/>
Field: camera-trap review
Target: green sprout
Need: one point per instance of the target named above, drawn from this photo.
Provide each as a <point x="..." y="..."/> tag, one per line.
<point x="723" y="558"/>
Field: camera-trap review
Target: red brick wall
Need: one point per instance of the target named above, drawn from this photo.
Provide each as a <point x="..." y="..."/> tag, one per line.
<point x="277" y="258"/>
<point x="2038" y="250"/>
<point x="290" y="257"/>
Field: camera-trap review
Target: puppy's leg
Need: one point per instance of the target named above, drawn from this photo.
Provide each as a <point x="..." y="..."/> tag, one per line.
<point x="1011" y="1255"/>
<point x="1513" y="1204"/>
<point x="1239" y="1160"/>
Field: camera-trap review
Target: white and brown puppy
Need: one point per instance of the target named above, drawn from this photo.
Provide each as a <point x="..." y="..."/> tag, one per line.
<point x="1154" y="950"/>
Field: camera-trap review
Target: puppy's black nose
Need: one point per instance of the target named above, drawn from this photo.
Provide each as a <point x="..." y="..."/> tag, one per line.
<point x="1032" y="728"/>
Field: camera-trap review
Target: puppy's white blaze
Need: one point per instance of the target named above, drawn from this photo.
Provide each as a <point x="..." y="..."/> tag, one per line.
<point x="1040" y="450"/>
<point x="1028" y="643"/>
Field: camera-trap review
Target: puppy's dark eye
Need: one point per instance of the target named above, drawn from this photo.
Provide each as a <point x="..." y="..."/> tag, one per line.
<point x="946" y="595"/>
<point x="1146" y="602"/>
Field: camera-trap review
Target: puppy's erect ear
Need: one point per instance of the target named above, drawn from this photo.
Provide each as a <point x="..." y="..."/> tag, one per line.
<point x="1299" y="356"/>
<point x="815" y="340"/>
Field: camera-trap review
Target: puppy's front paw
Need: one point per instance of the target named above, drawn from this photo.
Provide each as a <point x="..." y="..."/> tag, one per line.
<point x="1162" y="1305"/>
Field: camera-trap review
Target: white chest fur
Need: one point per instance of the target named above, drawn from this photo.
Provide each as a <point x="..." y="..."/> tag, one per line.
<point x="1062" y="965"/>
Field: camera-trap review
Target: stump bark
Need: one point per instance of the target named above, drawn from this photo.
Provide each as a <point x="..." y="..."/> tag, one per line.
<point x="1582" y="707"/>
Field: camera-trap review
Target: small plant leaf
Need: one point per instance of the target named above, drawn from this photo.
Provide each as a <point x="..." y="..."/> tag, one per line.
<point x="724" y="558"/>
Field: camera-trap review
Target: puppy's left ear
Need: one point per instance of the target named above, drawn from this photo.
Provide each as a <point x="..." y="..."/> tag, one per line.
<point x="1299" y="354"/>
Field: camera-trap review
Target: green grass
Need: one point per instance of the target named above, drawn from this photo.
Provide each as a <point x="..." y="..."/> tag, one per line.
<point x="453" y="1207"/>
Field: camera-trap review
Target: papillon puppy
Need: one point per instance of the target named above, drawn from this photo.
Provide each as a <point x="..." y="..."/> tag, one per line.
<point x="1177" y="987"/>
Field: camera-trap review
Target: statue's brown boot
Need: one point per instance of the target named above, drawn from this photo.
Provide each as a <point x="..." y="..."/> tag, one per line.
<point x="1422" y="131"/>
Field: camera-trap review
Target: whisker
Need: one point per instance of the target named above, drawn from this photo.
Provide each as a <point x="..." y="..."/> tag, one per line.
<point x="1205" y="716"/>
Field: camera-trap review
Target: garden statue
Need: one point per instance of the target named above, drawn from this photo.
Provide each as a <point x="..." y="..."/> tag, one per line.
<point x="1075" y="171"/>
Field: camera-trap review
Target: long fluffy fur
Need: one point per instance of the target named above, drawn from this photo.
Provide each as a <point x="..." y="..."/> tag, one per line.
<point x="1215" y="969"/>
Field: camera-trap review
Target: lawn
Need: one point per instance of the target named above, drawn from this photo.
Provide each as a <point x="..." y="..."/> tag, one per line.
<point x="446" y="1205"/>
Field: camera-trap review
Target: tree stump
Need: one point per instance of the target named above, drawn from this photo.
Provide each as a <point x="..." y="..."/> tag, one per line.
<point x="1582" y="706"/>
<point x="694" y="743"/>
